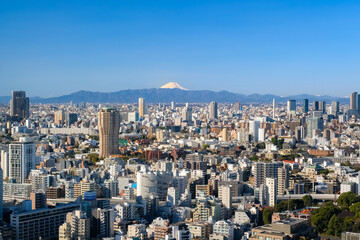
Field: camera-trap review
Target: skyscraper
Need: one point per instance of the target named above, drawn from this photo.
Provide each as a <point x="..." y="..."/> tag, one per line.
<point x="316" y="106"/>
<point x="21" y="160"/>
<point x="19" y="104"/>
<point x="141" y="107"/>
<point x="306" y="105"/>
<point x="322" y="106"/>
<point x="353" y="97"/>
<point x="335" y="109"/>
<point x="291" y="106"/>
<point x="109" y="124"/>
<point x="213" y="114"/>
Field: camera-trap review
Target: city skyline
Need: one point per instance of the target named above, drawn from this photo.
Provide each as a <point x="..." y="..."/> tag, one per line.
<point x="245" y="47"/>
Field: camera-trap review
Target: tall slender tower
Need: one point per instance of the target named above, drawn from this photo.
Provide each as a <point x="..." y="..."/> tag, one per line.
<point x="306" y="105"/>
<point x="353" y="100"/>
<point x="274" y="108"/>
<point x="213" y="114"/>
<point x="109" y="124"/>
<point x="19" y="104"/>
<point x="141" y="107"/>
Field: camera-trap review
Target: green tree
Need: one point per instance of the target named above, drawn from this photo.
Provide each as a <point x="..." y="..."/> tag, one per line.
<point x="321" y="216"/>
<point x="335" y="226"/>
<point x="347" y="199"/>
<point x="93" y="157"/>
<point x="355" y="208"/>
<point x="308" y="200"/>
<point x="267" y="214"/>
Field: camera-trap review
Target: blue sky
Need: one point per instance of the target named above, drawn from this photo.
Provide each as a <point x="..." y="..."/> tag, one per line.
<point x="50" y="48"/>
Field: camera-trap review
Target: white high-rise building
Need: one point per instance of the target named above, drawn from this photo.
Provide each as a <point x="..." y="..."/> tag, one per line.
<point x="254" y="129"/>
<point x="271" y="191"/>
<point x="261" y="135"/>
<point x="22" y="159"/>
<point x="5" y="163"/>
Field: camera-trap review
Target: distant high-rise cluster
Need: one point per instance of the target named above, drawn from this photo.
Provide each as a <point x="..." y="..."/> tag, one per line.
<point x="19" y="104"/>
<point x="109" y="124"/>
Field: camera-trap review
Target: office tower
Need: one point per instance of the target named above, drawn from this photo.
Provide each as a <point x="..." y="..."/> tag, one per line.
<point x="314" y="124"/>
<point x="103" y="223"/>
<point x="254" y="129"/>
<point x="273" y="111"/>
<point x="213" y="111"/>
<point x="22" y="160"/>
<point x="353" y="97"/>
<point x="38" y="200"/>
<point x="109" y="125"/>
<point x="59" y="117"/>
<point x="19" y="104"/>
<point x="70" y="118"/>
<point x="40" y="224"/>
<point x="283" y="179"/>
<point x="335" y="107"/>
<point x="1" y="194"/>
<point x="316" y="106"/>
<point x="306" y="105"/>
<point x="322" y="106"/>
<point x="271" y="191"/>
<point x="291" y="106"/>
<point x="141" y="107"/>
<point x="5" y="163"/>
<point x="172" y="105"/>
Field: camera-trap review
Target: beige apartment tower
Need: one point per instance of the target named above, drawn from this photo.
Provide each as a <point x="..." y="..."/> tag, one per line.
<point x="109" y="124"/>
<point x="141" y="107"/>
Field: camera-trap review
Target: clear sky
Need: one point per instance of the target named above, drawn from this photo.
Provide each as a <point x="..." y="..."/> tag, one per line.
<point x="50" y="47"/>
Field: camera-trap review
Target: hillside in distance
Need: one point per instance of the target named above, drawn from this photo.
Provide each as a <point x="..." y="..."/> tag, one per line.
<point x="165" y="95"/>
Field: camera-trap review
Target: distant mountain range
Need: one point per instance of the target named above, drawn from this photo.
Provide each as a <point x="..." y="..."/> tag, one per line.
<point x="166" y="95"/>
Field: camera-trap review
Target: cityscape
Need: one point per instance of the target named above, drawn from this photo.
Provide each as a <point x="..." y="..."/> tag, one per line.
<point x="179" y="120"/>
<point x="179" y="170"/>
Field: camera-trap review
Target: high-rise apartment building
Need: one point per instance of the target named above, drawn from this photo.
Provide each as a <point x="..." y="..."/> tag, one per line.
<point x="109" y="124"/>
<point x="283" y="179"/>
<point x="21" y="160"/>
<point x="40" y="224"/>
<point x="271" y="191"/>
<point x="141" y="107"/>
<point x="19" y="104"/>
<point x="213" y="111"/>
